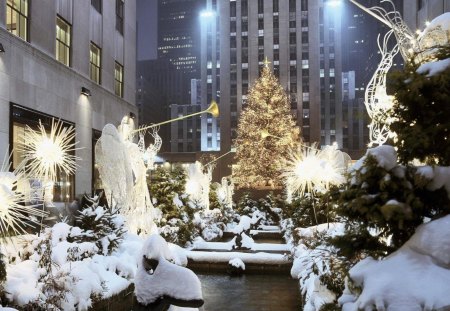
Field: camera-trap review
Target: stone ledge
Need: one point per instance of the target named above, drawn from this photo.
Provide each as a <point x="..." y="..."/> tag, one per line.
<point x="250" y="268"/>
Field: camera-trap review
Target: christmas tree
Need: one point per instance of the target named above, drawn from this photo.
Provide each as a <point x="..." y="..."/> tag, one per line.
<point x="266" y="133"/>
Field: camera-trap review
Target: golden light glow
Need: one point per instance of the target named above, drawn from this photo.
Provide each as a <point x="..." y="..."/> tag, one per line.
<point x="14" y="214"/>
<point x="46" y="153"/>
<point x="213" y="109"/>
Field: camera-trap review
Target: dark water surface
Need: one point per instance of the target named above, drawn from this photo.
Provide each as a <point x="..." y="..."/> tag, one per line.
<point x="249" y="293"/>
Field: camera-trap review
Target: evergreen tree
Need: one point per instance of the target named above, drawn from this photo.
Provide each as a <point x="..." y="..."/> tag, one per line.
<point x="266" y="132"/>
<point x="421" y="112"/>
<point x="100" y="225"/>
<point x="167" y="189"/>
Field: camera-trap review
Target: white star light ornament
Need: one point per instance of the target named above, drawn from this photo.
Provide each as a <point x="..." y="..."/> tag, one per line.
<point x="47" y="153"/>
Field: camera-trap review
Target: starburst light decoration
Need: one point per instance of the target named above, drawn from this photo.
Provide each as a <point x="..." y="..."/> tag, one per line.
<point x="15" y="216"/>
<point x="47" y="153"/>
<point x="310" y="169"/>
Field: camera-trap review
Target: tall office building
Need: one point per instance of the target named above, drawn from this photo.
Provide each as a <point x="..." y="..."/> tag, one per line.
<point x="160" y="85"/>
<point x="185" y="133"/>
<point x="359" y="63"/>
<point x="178" y="34"/>
<point x="55" y="54"/>
<point x="417" y="13"/>
<point x="302" y="41"/>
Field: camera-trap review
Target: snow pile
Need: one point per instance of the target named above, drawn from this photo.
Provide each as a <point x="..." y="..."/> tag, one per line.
<point x="247" y="242"/>
<point x="439" y="176"/>
<point x="416" y="277"/>
<point x="67" y="274"/>
<point x="385" y="155"/>
<point x="433" y="68"/>
<point x="158" y="278"/>
<point x="199" y="243"/>
<point x="311" y="262"/>
<point x="237" y="263"/>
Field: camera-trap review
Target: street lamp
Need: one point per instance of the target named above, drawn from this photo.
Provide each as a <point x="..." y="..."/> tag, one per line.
<point x="334" y="3"/>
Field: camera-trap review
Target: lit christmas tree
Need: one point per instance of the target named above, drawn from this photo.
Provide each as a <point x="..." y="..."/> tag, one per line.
<point x="266" y="133"/>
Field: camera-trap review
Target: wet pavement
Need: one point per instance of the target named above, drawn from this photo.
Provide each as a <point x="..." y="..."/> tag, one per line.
<point x="249" y="293"/>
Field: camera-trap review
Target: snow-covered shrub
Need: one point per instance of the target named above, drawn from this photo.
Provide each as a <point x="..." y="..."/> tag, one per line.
<point x="321" y="272"/>
<point x="272" y="206"/>
<point x="100" y="225"/>
<point x="60" y="272"/>
<point x="177" y="213"/>
<point x="383" y="203"/>
<point x="415" y="277"/>
<point x="269" y="208"/>
<point x="421" y="114"/>
<point x="246" y="205"/>
<point x="210" y="224"/>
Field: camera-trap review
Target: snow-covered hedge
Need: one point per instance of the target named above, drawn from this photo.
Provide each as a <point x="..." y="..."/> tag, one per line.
<point x="58" y="273"/>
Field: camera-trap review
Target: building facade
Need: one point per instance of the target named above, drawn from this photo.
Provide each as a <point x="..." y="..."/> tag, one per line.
<point x="161" y="85"/>
<point x="53" y="49"/>
<point x="301" y="39"/>
<point x="417" y="13"/>
<point x="185" y="134"/>
<point x="178" y="34"/>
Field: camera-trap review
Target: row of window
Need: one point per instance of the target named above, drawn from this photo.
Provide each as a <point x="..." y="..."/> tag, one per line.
<point x="17" y="23"/>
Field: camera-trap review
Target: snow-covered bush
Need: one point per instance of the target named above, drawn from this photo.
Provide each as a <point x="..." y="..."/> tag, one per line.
<point x="167" y="189"/>
<point x="416" y="277"/>
<point x="383" y="203"/>
<point x="100" y="225"/>
<point x="421" y="114"/>
<point x="210" y="224"/>
<point x="320" y="270"/>
<point x="269" y="208"/>
<point x="59" y="272"/>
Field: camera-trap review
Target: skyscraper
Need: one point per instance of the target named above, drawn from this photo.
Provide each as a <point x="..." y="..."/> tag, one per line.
<point x="302" y="41"/>
<point x="178" y="34"/>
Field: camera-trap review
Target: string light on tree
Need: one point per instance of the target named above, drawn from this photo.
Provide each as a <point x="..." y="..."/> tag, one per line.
<point x="260" y="158"/>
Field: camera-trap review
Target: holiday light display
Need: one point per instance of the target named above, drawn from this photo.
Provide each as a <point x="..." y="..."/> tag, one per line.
<point x="260" y="158"/>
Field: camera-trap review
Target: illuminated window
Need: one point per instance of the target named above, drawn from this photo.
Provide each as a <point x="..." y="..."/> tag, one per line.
<point x="118" y="80"/>
<point x="95" y="63"/>
<point x="63" y="30"/>
<point x="17" y="18"/>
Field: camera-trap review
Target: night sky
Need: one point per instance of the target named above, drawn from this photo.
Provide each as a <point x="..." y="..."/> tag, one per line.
<point x="146" y="29"/>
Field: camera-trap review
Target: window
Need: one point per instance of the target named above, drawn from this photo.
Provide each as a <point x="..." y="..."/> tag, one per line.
<point x="118" y="80"/>
<point x="95" y="63"/>
<point x="233" y="9"/>
<point x="63" y="187"/>
<point x="97" y="4"/>
<point x="63" y="30"/>
<point x="17" y="18"/>
<point x="119" y="15"/>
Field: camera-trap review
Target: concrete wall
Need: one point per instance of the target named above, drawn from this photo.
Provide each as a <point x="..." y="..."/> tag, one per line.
<point x="416" y="18"/>
<point x="31" y="77"/>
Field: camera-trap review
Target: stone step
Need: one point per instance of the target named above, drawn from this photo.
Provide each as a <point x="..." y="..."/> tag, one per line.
<point x="257" y="235"/>
<point x="248" y="251"/>
<point x="255" y="263"/>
